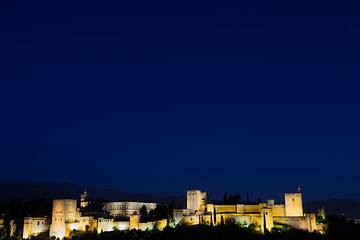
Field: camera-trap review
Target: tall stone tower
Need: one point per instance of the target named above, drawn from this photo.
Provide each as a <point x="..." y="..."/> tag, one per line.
<point x="64" y="212"/>
<point x="196" y="200"/>
<point x="193" y="199"/>
<point x="27" y="227"/>
<point x="267" y="221"/>
<point x="83" y="199"/>
<point x="293" y="205"/>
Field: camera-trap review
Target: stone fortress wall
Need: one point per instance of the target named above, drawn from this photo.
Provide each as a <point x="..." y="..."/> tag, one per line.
<point x="35" y="225"/>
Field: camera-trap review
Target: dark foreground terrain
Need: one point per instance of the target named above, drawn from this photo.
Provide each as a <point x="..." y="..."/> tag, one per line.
<point x="202" y="232"/>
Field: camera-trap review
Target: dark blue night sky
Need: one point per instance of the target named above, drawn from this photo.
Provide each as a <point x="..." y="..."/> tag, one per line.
<point x="164" y="97"/>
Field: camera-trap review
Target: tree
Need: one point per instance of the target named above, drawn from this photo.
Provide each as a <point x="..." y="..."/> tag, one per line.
<point x="234" y="199"/>
<point x="6" y="224"/>
<point x="214" y="215"/>
<point x="143" y="210"/>
<point x="3" y="234"/>
<point x="225" y="200"/>
<point x="231" y="199"/>
<point x="320" y="216"/>
<point x="258" y="200"/>
<point x="222" y="220"/>
<point x="230" y="221"/>
<point x="237" y="198"/>
<point x="162" y="212"/>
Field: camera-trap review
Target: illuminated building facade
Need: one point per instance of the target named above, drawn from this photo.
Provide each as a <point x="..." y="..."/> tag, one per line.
<point x="67" y="216"/>
<point x="125" y="209"/>
<point x="35" y="225"/>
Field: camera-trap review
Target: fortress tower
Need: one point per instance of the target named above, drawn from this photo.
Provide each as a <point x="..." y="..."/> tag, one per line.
<point x="196" y="200"/>
<point x="293" y="205"/>
<point x="83" y="199"/>
<point x="64" y="213"/>
<point x="267" y="221"/>
<point x="193" y="199"/>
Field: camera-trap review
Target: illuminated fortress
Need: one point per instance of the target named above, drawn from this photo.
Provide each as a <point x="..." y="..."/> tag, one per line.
<point x="264" y="215"/>
<point x="66" y="216"/>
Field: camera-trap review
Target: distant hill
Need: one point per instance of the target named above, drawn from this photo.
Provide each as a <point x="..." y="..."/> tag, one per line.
<point x="31" y="190"/>
<point x="341" y="207"/>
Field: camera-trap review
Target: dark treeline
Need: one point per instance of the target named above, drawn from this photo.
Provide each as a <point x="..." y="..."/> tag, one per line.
<point x="204" y="232"/>
<point x="160" y="212"/>
<point x="164" y="211"/>
<point x="338" y="229"/>
<point x="234" y="199"/>
<point x="17" y="208"/>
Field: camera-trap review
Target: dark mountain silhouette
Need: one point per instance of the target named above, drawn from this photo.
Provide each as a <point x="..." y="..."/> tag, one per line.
<point x="341" y="207"/>
<point x="31" y="190"/>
